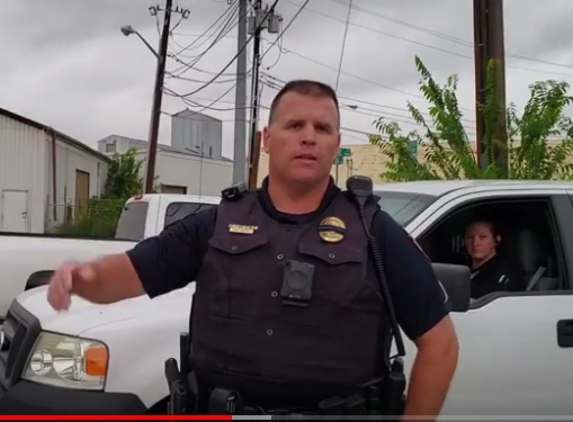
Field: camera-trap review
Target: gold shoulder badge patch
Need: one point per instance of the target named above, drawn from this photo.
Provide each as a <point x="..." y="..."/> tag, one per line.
<point x="238" y="228"/>
<point x="332" y="229"/>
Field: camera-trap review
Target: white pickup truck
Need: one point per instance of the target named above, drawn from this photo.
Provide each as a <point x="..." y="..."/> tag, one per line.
<point x="27" y="261"/>
<point x="516" y="355"/>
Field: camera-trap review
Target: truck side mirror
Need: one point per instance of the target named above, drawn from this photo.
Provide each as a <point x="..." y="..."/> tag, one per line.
<point x="456" y="280"/>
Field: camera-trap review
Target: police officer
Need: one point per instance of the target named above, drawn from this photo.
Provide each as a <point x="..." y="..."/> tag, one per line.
<point x="490" y="272"/>
<point x="253" y="331"/>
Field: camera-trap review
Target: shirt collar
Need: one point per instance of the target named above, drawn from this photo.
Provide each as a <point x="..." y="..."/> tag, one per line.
<point x="266" y="203"/>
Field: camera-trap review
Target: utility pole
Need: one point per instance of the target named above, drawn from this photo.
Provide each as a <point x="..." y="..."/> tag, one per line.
<point x="157" y="98"/>
<point x="262" y="19"/>
<point x="489" y="45"/>
<point x="256" y="29"/>
<point x="240" y="143"/>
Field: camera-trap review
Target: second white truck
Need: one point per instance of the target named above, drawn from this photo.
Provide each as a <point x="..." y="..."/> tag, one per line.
<point x="28" y="260"/>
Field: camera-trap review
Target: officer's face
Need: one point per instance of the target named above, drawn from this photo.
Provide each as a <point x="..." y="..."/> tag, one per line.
<point x="480" y="241"/>
<point x="303" y="138"/>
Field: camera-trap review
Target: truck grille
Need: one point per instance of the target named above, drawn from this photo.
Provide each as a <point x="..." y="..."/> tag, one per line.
<point x="19" y="333"/>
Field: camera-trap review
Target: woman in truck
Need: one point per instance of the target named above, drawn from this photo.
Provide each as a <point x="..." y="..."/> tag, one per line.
<point x="490" y="272"/>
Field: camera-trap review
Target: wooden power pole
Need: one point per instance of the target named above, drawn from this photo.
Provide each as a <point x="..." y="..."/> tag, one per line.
<point x="489" y="45"/>
<point x="157" y="98"/>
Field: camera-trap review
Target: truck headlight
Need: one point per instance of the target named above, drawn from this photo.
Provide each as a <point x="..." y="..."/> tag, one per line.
<point x="68" y="362"/>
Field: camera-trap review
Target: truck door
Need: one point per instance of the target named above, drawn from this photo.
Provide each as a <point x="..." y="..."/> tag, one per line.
<point x="516" y="348"/>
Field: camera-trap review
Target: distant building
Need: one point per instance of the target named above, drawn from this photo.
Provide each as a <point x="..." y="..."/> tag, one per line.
<point x="176" y="170"/>
<point x="197" y="132"/>
<point x="44" y="174"/>
<point x="193" y="164"/>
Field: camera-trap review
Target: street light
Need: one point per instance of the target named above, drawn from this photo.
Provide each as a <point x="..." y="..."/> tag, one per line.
<point x="128" y="30"/>
<point x="157" y="92"/>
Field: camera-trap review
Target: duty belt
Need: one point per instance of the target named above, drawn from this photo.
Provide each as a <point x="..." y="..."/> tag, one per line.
<point x="223" y="401"/>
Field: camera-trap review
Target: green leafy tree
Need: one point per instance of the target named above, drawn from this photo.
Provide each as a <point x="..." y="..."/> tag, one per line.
<point x="100" y="217"/>
<point x="123" y="179"/>
<point x="446" y="148"/>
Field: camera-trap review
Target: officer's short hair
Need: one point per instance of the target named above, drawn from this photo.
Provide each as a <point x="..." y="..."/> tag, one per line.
<point x="304" y="87"/>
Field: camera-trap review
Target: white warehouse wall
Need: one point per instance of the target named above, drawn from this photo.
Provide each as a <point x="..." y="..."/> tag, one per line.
<point x="23" y="168"/>
<point x="177" y="169"/>
<point x="68" y="160"/>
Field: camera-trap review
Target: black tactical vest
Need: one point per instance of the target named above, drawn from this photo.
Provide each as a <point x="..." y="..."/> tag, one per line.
<point x="240" y="325"/>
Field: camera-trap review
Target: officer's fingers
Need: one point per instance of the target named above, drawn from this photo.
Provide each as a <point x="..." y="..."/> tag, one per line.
<point x="60" y="286"/>
<point x="56" y="294"/>
<point x="66" y="276"/>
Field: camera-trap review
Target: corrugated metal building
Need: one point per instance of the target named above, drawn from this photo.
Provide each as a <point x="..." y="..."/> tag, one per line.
<point x="176" y="170"/>
<point x="43" y="174"/>
<point x="197" y="132"/>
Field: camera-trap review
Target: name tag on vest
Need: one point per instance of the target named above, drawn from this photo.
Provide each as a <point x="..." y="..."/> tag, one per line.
<point x="238" y="228"/>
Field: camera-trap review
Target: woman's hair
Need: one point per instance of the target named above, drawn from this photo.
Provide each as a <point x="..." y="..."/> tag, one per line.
<point x="487" y="222"/>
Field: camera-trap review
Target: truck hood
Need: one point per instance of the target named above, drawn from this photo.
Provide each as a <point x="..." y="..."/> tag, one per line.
<point x="84" y="315"/>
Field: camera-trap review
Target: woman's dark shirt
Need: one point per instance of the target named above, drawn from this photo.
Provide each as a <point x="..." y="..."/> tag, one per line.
<point x="494" y="275"/>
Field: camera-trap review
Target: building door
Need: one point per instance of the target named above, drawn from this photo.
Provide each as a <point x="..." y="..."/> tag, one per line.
<point x="82" y="190"/>
<point x="15" y="211"/>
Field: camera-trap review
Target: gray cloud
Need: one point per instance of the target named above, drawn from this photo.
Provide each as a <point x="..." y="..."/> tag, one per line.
<point x="65" y="62"/>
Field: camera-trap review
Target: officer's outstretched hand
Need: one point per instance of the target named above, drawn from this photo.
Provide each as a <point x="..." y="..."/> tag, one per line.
<point x="64" y="279"/>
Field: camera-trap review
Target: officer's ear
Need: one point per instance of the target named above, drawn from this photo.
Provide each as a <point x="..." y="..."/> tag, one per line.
<point x="497" y="240"/>
<point x="265" y="139"/>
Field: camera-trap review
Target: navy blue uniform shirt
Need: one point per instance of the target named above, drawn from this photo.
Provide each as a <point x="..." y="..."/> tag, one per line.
<point x="173" y="259"/>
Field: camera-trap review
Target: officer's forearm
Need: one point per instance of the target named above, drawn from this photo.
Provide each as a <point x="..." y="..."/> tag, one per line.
<point x="115" y="279"/>
<point x="430" y="379"/>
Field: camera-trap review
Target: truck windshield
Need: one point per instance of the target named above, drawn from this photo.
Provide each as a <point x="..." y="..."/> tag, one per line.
<point x="404" y="206"/>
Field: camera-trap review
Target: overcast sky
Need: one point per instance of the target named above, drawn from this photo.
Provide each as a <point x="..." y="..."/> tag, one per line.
<point x="66" y="64"/>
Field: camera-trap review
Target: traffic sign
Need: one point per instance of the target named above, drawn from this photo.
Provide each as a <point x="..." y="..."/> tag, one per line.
<point x="341" y="154"/>
<point x="413" y="148"/>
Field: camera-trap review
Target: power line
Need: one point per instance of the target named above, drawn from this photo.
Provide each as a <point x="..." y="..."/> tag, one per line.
<point x="205" y="35"/>
<point x="227" y="26"/>
<point x="378" y="113"/>
<point x="289" y="51"/>
<point x="408" y="40"/>
<point x="444" y="36"/>
<point x="269" y="11"/>
<point x="296" y="15"/>
<point x="343" y="45"/>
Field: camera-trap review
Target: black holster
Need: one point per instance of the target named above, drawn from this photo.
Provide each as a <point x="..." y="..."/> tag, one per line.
<point x="393" y="390"/>
<point x="182" y="384"/>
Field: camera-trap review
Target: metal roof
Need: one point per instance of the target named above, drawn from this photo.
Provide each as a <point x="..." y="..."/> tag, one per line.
<point x="60" y="135"/>
<point x="163" y="147"/>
